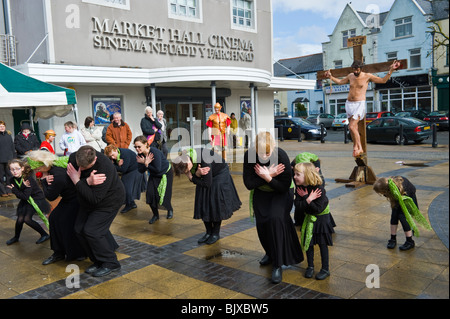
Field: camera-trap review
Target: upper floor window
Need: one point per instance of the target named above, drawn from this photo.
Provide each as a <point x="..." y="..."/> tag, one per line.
<point x="391" y="56"/>
<point x="403" y="27"/>
<point x="185" y="10"/>
<point x="347" y="35"/>
<point x="414" y="58"/>
<point x="338" y="64"/>
<point x="243" y="12"/>
<point x="119" y="4"/>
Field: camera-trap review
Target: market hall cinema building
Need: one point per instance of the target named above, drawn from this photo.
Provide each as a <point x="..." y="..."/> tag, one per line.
<point x="181" y="56"/>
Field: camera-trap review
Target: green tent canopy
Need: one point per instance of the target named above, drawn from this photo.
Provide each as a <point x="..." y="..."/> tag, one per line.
<point x="20" y="90"/>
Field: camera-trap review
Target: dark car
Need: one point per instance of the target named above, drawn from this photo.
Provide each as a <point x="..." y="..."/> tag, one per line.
<point x="387" y="129"/>
<point x="376" y="115"/>
<point x="418" y="114"/>
<point x="440" y="118"/>
<point x="291" y="127"/>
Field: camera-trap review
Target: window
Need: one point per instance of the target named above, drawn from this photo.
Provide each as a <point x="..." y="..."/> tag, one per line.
<point x="338" y="64"/>
<point x="414" y="58"/>
<point x="243" y="13"/>
<point x="118" y="4"/>
<point x="185" y="10"/>
<point x="347" y="35"/>
<point x="391" y="56"/>
<point x="403" y="27"/>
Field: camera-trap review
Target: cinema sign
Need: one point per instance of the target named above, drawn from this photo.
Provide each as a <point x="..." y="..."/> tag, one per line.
<point x="151" y="39"/>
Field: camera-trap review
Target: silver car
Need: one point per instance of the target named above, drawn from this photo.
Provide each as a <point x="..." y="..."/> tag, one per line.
<point x="326" y="119"/>
<point x="339" y="121"/>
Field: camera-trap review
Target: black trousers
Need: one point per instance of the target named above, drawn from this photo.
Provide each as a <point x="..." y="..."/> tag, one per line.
<point x="92" y="230"/>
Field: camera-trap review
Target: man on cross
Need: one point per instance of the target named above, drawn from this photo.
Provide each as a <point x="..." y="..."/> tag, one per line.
<point x="355" y="106"/>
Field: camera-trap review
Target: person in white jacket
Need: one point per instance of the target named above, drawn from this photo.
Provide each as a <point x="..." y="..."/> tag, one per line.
<point x="93" y="134"/>
<point x="72" y="139"/>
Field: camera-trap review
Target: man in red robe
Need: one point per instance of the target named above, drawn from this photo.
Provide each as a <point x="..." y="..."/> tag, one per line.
<point x="218" y="128"/>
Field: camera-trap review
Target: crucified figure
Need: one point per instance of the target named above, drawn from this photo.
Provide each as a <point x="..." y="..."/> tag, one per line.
<point x="355" y="106"/>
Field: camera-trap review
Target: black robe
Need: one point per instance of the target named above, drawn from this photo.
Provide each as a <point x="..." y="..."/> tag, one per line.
<point x="276" y="230"/>
<point x="216" y="197"/>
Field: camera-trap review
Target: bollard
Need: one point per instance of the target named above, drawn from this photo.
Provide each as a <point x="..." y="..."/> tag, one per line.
<point x="345" y="134"/>
<point x="434" y="144"/>
<point x="402" y="140"/>
<point x="322" y="133"/>
<point x="299" y="139"/>
<point x="280" y="133"/>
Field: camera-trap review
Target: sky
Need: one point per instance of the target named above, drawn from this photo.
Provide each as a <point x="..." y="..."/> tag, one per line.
<point x="300" y="26"/>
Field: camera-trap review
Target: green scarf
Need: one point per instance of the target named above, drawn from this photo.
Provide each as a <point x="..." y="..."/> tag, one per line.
<point x="118" y="156"/>
<point x="35" y="206"/>
<point x="307" y="228"/>
<point x="60" y="162"/>
<point x="163" y="186"/>
<point x="409" y="208"/>
<point x="306" y="157"/>
<point x="193" y="155"/>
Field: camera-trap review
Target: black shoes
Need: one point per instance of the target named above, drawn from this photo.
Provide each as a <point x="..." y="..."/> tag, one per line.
<point x="203" y="239"/>
<point x="212" y="239"/>
<point x="100" y="271"/>
<point x="309" y="272"/>
<point x="265" y="261"/>
<point x="103" y="271"/>
<point x="407" y="245"/>
<point x="391" y="243"/>
<point x="42" y="239"/>
<point x="128" y="207"/>
<point x="153" y="219"/>
<point x="169" y="214"/>
<point x="276" y="275"/>
<point x="39" y="241"/>
<point x="12" y="241"/>
<point x="52" y="259"/>
<point x="320" y="276"/>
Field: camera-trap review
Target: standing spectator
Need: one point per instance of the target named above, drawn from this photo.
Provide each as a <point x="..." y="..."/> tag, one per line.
<point x="26" y="140"/>
<point x="162" y="142"/>
<point x="118" y="132"/>
<point x="92" y="134"/>
<point x="246" y="124"/>
<point x="72" y="139"/>
<point x="234" y="128"/>
<point x="151" y="128"/>
<point x="7" y="153"/>
<point x="268" y="175"/>
<point x="100" y="195"/>
<point x="47" y="144"/>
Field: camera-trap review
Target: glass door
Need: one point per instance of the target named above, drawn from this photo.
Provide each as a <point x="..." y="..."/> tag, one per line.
<point x="190" y="124"/>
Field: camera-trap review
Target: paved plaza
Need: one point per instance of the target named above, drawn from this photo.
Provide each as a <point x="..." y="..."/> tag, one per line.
<point x="164" y="261"/>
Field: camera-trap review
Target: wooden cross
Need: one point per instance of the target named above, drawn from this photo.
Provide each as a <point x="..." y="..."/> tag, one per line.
<point x="362" y="174"/>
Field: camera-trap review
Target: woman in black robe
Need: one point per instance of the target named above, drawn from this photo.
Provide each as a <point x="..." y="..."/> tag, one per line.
<point x="125" y="162"/>
<point x="160" y="179"/>
<point x="216" y="197"/>
<point x="268" y="175"/>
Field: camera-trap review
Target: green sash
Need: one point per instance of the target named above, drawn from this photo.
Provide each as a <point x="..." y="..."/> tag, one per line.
<point x="307" y="228"/>
<point x="409" y="208"/>
<point x="162" y="186"/>
<point x="264" y="188"/>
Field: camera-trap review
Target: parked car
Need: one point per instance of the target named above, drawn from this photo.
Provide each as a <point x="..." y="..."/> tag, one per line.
<point x="339" y="121"/>
<point x="326" y="119"/>
<point x="376" y="115"/>
<point x="440" y="118"/>
<point x="387" y="129"/>
<point x="291" y="127"/>
<point x="418" y="114"/>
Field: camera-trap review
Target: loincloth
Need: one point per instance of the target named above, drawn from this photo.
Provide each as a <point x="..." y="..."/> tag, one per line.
<point x="355" y="109"/>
